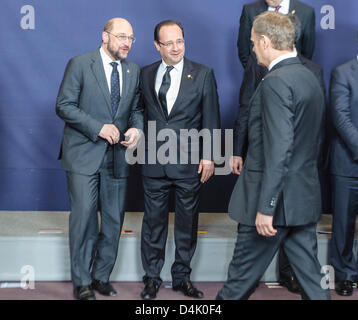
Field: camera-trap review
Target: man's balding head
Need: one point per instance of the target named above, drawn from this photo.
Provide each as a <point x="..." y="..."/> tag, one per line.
<point x="117" y="38"/>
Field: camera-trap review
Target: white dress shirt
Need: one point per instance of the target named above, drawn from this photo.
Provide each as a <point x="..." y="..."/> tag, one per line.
<point x="175" y="80"/>
<point x="108" y="69"/>
<point x="285" y="7"/>
<point x="292" y="54"/>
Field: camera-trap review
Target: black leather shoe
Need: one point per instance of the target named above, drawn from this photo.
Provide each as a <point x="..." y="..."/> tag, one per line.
<point x="344" y="288"/>
<point x="291" y="284"/>
<point x="104" y="288"/>
<point x="189" y="290"/>
<point x="84" y="293"/>
<point x="150" y="290"/>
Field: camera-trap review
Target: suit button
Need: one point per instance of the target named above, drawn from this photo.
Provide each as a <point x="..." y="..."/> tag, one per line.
<point x="272" y="202"/>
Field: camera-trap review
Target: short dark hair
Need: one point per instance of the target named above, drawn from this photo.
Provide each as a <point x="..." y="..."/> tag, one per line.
<point x="166" y="23"/>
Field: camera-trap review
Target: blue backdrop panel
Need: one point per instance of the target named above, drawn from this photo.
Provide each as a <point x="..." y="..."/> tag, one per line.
<point x="38" y="38"/>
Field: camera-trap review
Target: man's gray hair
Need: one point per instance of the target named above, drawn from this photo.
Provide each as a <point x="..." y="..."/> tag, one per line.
<point x="277" y="27"/>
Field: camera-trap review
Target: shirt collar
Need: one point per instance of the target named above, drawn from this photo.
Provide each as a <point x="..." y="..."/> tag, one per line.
<point x="285" y="56"/>
<point x="284" y="5"/>
<point x="177" y="67"/>
<point x="106" y="58"/>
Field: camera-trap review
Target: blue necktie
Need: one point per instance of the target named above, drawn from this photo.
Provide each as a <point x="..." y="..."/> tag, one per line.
<point x="115" y="88"/>
<point x="162" y="94"/>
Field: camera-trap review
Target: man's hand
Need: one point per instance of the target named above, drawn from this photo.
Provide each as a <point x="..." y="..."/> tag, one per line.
<point x="206" y="168"/>
<point x="133" y="134"/>
<point x="110" y="133"/>
<point x="236" y="164"/>
<point x="264" y="225"/>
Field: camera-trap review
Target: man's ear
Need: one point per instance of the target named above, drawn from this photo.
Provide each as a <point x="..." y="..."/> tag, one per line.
<point x="105" y="37"/>
<point x="266" y="41"/>
<point x="157" y="45"/>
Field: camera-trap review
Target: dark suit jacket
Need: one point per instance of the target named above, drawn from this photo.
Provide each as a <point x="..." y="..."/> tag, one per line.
<point x="305" y="14"/>
<point x="253" y="75"/>
<point x="196" y="107"/>
<point x="83" y="102"/>
<point x="344" y="117"/>
<point x="280" y="175"/>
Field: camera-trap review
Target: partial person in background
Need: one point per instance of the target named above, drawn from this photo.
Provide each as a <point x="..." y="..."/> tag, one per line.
<point x="344" y="173"/>
<point x="98" y="100"/>
<point x="304" y="12"/>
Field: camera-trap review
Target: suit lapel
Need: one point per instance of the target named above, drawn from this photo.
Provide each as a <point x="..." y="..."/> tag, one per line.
<point x="186" y="83"/>
<point x="98" y="71"/>
<point x="126" y="78"/>
<point x="292" y="6"/>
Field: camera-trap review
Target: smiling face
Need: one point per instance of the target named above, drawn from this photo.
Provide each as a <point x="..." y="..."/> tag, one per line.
<point x="117" y="49"/>
<point x="171" y="45"/>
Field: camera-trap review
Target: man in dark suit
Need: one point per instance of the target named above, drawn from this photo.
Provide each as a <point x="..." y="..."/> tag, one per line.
<point x="253" y="75"/>
<point x="344" y="173"/>
<point x="98" y="101"/>
<point x="177" y="95"/>
<point x="277" y="196"/>
<point x="305" y="13"/>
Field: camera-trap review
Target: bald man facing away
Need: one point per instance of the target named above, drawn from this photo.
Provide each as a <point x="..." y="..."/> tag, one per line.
<point x="98" y="102"/>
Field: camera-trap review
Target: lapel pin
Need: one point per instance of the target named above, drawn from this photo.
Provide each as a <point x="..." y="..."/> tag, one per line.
<point x="293" y="11"/>
<point x="190" y="76"/>
<point x="128" y="71"/>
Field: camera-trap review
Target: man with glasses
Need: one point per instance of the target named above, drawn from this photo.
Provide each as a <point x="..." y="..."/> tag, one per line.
<point x="176" y="94"/>
<point x="98" y="100"/>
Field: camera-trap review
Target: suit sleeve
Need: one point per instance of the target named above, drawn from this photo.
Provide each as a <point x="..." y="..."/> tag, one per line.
<point x="252" y="77"/>
<point x="278" y="137"/>
<point x="309" y="36"/>
<point x="323" y="141"/>
<point x="210" y="109"/>
<point x="341" y="111"/>
<point x="241" y="131"/>
<point x="136" y="117"/>
<point x="241" y="123"/>
<point x="67" y="104"/>
<point x="243" y="41"/>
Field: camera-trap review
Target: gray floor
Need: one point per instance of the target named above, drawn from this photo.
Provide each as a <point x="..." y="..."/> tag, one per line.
<point x="40" y="240"/>
<point x="131" y="291"/>
<point x="37" y="223"/>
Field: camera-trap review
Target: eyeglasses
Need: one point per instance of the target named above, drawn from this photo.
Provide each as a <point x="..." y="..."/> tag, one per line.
<point x="123" y="38"/>
<point x="170" y="44"/>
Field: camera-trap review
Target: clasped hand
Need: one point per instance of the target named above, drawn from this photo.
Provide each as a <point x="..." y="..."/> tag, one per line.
<point x="111" y="133"/>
